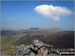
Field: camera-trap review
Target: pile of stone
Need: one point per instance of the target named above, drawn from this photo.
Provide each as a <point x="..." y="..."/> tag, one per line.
<point x="37" y="48"/>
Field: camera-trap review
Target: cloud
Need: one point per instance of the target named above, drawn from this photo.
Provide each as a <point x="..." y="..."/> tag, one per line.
<point x="52" y="12"/>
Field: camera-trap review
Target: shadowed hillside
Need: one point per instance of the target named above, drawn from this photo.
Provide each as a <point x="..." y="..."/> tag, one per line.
<point x="56" y="37"/>
<point x="64" y="39"/>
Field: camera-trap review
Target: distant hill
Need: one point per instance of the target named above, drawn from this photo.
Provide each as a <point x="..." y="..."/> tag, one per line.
<point x="34" y="28"/>
<point x="28" y="31"/>
<point x="57" y="37"/>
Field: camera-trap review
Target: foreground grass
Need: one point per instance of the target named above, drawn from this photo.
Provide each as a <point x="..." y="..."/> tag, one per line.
<point x="7" y="46"/>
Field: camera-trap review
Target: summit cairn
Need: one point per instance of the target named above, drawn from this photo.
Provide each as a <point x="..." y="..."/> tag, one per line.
<point x="38" y="43"/>
<point x="37" y="48"/>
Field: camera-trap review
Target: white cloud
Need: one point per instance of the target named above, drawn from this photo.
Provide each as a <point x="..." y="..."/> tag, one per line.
<point x="52" y="12"/>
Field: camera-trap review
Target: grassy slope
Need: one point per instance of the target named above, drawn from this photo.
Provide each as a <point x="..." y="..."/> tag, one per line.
<point x="63" y="39"/>
<point x="56" y="37"/>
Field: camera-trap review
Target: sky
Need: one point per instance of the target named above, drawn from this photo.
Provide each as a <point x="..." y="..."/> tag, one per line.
<point x="37" y="14"/>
